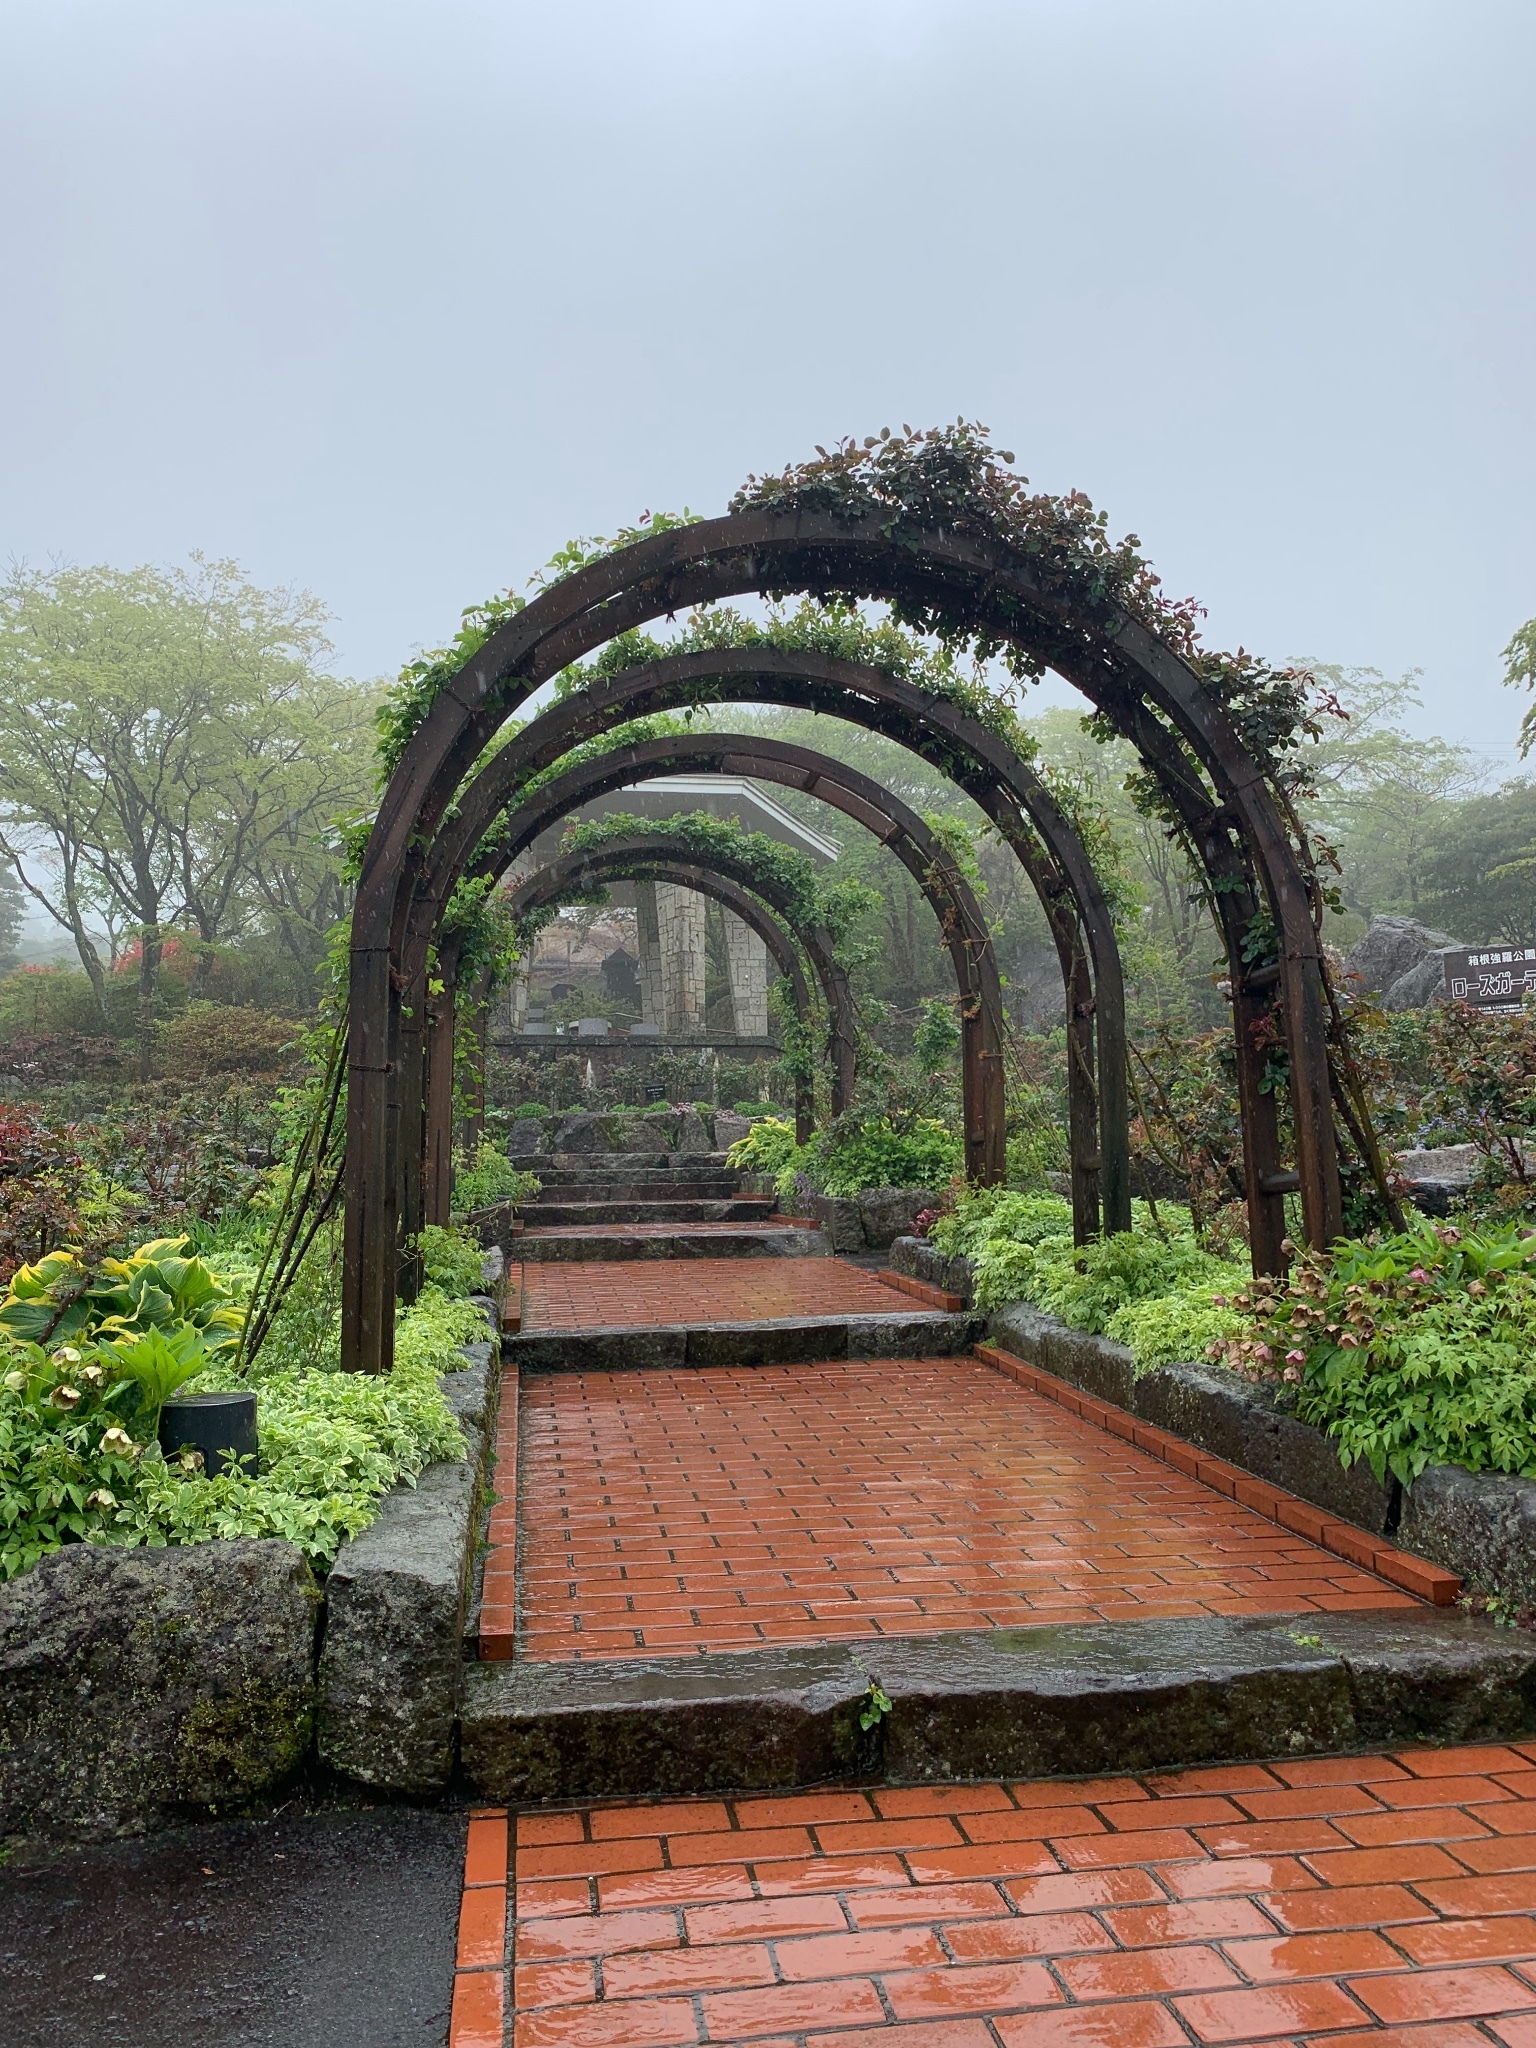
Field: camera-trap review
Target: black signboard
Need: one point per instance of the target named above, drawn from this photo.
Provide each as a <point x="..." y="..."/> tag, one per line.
<point x="1490" y="977"/>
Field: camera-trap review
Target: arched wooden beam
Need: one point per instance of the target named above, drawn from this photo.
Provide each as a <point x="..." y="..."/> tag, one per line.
<point x="643" y="854"/>
<point x="1006" y="788"/>
<point x="969" y="581"/>
<point x="855" y="795"/>
<point x="743" y="904"/>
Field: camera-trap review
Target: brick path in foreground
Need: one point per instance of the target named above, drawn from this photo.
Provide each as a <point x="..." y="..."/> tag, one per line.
<point x="593" y="1295"/>
<point x="1361" y="1902"/>
<point x="723" y="1508"/>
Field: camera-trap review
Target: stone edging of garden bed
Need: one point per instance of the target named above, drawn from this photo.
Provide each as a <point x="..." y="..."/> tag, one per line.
<point x="397" y="1598"/>
<point x="1426" y="1581"/>
<point x="139" y="1688"/>
<point x="1479" y="1525"/>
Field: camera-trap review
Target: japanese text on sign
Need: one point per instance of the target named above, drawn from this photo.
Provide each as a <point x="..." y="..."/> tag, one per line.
<point x="1491" y="977"/>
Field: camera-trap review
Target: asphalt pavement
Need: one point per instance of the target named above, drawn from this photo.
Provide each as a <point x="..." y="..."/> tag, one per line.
<point x="300" y="1929"/>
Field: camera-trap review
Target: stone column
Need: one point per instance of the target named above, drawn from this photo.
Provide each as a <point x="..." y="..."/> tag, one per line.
<point x="747" y="958"/>
<point x="653" y="1001"/>
<point x="517" y="993"/>
<point x="680" y="917"/>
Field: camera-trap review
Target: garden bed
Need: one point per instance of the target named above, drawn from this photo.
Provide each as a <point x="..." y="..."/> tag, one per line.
<point x="142" y="1685"/>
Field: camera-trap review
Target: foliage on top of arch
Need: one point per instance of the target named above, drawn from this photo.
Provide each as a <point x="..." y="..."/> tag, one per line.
<point x="950" y="479"/>
<point x="835" y="627"/>
<point x="582" y="552"/>
<point x="407" y="700"/>
<point x="411" y="696"/>
<point x="721" y="841"/>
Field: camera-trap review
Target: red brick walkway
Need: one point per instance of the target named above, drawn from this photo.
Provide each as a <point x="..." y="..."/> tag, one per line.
<point x="1377" y="1902"/>
<point x="582" y="1295"/>
<point x="754" y="1224"/>
<point x="725" y="1508"/>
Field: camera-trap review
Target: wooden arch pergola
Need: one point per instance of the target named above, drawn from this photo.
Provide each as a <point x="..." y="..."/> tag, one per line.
<point x="949" y="895"/>
<point x="1006" y="787"/>
<point x="968" y="578"/>
<point x="573" y="876"/>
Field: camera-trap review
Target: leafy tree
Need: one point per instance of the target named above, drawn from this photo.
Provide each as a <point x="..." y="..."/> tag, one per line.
<point x="171" y="751"/>
<point x="1520" y="674"/>
<point x="1480" y="867"/>
<point x="13" y="906"/>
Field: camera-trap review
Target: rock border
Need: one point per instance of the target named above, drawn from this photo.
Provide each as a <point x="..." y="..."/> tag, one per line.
<point x="1479" y="1525"/>
<point x="1027" y="1702"/>
<point x="397" y="1605"/>
<point x="144" y="1687"/>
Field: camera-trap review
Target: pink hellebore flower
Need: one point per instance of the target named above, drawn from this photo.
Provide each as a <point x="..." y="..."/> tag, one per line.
<point x="1295" y="1358"/>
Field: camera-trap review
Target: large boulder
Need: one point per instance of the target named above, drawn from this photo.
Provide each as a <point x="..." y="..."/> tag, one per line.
<point x="645" y="1134"/>
<point x="693" y="1134"/>
<point x="730" y="1129"/>
<point x="1401" y="961"/>
<point x="1436" y="1177"/>
<point x="139" y="1686"/>
<point x="888" y="1213"/>
<point x="392" y="1662"/>
<point x="580" y="1131"/>
<point x="839" y="1218"/>
<point x="394" y="1636"/>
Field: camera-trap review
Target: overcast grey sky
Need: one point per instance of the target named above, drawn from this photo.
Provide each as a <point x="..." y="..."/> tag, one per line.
<point x="390" y="297"/>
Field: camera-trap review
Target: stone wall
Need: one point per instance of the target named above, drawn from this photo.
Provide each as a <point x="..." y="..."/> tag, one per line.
<point x="143" y="1687"/>
<point x="1482" y="1526"/>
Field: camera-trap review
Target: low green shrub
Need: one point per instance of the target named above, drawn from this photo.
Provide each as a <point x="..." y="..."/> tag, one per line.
<point x="1153" y="1290"/>
<point x="226" y="1038"/>
<point x="755" y="1110"/>
<point x="79" y="1462"/>
<point x="1412" y="1350"/>
<point x="851" y="1156"/>
<point x="982" y="1214"/>
<point x="451" y="1259"/>
<point x="492" y="1178"/>
<point x="1089" y="1286"/>
<point x="1172" y="1329"/>
<point x="766" y="1148"/>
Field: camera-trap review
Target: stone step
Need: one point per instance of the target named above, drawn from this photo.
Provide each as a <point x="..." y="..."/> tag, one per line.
<point x="1032" y="1703"/>
<point x="542" y="1215"/>
<point x="718" y="1188"/>
<point x="720" y="1241"/>
<point x="618" y="1165"/>
<point x="780" y="1340"/>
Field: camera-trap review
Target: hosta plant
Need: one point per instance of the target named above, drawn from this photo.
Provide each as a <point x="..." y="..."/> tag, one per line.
<point x="62" y="1300"/>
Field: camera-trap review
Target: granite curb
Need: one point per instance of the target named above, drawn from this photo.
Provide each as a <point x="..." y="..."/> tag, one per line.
<point x="1481" y="1526"/>
<point x="1035" y="1702"/>
<point x="784" y="1340"/>
<point x="397" y="1605"/>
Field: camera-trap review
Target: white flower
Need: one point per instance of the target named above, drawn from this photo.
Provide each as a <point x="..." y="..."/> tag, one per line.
<point x="101" y="1498"/>
<point x="119" y="1443"/>
<point x="65" y="1397"/>
<point x="66" y="1355"/>
<point x="16" y="1381"/>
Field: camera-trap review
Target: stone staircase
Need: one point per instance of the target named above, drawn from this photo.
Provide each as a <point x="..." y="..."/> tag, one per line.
<point x="654" y="1205"/>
